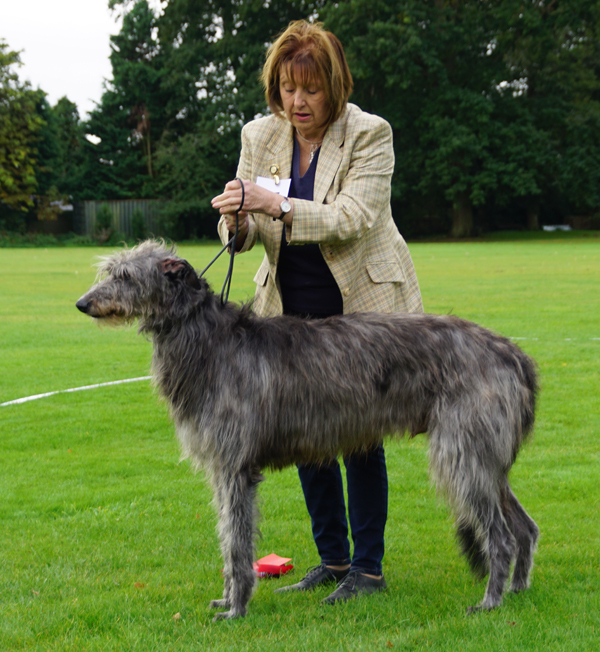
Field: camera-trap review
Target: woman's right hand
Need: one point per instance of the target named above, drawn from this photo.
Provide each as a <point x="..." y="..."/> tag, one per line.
<point x="230" y="219"/>
<point x="256" y="199"/>
<point x="228" y="203"/>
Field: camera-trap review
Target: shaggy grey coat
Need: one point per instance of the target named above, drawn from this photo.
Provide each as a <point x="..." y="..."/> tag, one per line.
<point x="248" y="393"/>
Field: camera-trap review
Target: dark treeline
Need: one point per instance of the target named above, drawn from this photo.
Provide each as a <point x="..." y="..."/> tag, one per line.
<point x="495" y="107"/>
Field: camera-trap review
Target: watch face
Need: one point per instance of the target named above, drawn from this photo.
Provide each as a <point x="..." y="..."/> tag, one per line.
<point x="285" y="206"/>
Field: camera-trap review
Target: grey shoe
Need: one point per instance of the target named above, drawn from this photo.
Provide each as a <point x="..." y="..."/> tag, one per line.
<point x="353" y="585"/>
<point x="316" y="576"/>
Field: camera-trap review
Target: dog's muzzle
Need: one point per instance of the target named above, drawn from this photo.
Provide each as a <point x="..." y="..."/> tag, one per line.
<point x="83" y="305"/>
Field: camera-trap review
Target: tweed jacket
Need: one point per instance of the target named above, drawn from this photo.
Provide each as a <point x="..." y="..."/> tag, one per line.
<point x="350" y="217"/>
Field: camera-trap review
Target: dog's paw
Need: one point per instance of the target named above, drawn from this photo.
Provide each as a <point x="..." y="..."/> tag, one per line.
<point x="480" y="607"/>
<point x="219" y="604"/>
<point x="518" y="586"/>
<point x="227" y="615"/>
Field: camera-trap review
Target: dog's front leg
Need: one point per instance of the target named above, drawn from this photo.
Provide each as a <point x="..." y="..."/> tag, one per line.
<point x="236" y="492"/>
<point x="220" y="501"/>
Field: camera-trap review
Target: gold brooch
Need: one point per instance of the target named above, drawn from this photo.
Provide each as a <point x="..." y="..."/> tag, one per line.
<point x="274" y="169"/>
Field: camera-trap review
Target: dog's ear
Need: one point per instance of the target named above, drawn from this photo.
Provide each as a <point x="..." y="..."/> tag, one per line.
<point x="191" y="277"/>
<point x="170" y="266"/>
<point x="176" y="268"/>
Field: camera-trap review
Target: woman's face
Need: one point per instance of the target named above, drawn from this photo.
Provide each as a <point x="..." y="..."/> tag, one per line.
<point x="305" y="105"/>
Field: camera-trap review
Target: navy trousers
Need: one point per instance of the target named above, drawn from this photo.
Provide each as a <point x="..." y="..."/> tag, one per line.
<point x="366" y="478"/>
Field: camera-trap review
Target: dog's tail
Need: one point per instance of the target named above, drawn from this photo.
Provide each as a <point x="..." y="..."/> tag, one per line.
<point x="473" y="443"/>
<point x="471" y="547"/>
<point x="528" y="378"/>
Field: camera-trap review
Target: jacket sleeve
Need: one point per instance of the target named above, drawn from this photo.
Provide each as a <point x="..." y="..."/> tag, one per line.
<point x="364" y="191"/>
<point x="244" y="171"/>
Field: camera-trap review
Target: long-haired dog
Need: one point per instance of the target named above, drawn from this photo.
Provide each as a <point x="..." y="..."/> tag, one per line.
<point x="247" y="393"/>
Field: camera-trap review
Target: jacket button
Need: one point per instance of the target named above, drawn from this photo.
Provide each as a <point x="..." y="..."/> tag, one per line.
<point x="346" y="292"/>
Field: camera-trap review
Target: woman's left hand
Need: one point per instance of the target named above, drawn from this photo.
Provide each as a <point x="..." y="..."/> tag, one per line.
<point x="256" y="199"/>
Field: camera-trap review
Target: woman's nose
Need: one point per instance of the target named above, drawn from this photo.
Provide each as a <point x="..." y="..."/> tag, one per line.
<point x="299" y="98"/>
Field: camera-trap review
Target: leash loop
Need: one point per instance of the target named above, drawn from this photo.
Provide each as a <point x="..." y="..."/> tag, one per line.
<point x="231" y="243"/>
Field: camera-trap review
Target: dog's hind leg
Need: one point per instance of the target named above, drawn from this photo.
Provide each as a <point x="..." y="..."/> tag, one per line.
<point x="237" y="493"/>
<point x="500" y="547"/>
<point x="526" y="534"/>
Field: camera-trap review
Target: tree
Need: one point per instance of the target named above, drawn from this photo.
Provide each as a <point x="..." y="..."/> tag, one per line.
<point x="131" y="116"/>
<point x="192" y="170"/>
<point x="59" y="167"/>
<point x="495" y="104"/>
<point x="481" y="95"/>
<point x="212" y="53"/>
<point x="552" y="52"/>
<point x="429" y="68"/>
<point x="19" y="127"/>
<point x="40" y="149"/>
<point x="68" y="165"/>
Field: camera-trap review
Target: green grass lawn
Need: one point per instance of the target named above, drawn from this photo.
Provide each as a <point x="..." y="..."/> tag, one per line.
<point x="109" y="542"/>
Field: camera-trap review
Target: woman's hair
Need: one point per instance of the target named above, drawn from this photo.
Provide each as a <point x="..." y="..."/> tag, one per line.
<point x="308" y="54"/>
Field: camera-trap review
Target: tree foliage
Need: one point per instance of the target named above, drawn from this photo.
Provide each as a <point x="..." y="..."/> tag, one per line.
<point x="41" y="152"/>
<point x="494" y="104"/>
<point x="481" y="95"/>
<point x="195" y="69"/>
<point x="68" y="163"/>
<point x="19" y="127"/>
<point x="131" y="115"/>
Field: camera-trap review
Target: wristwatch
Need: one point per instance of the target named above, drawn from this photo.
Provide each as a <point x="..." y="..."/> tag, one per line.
<point x="286" y="207"/>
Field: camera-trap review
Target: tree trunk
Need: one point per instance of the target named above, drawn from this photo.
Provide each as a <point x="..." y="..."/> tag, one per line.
<point x="462" y="216"/>
<point x="533" y="218"/>
<point x="148" y="152"/>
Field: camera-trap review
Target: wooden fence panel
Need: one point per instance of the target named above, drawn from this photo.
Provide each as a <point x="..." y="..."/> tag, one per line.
<point x="122" y="211"/>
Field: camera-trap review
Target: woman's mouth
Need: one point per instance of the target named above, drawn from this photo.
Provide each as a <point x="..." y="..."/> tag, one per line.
<point x="302" y="116"/>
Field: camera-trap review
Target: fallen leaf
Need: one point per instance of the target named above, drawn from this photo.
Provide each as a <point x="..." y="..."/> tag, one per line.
<point x="177" y="616"/>
<point x="139" y="585"/>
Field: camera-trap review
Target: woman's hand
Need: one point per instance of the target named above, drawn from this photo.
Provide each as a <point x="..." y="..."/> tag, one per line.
<point x="242" y="217"/>
<point x="256" y="200"/>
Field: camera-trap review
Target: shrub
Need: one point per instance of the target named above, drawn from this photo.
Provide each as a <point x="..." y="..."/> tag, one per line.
<point x="188" y="220"/>
<point x="103" y="229"/>
<point x="138" y="225"/>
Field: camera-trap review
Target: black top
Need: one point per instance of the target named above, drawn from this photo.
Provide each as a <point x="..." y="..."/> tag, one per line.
<point x="307" y="285"/>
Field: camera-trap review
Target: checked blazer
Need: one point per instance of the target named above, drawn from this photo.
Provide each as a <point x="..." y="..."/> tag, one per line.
<point x="350" y="217"/>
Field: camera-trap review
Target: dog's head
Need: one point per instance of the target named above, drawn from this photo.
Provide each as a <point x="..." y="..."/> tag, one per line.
<point x="148" y="281"/>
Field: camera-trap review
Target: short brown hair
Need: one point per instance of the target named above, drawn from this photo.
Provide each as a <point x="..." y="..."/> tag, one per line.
<point x="309" y="53"/>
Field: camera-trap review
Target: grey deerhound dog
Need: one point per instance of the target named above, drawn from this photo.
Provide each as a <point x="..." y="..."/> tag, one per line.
<point x="248" y="393"/>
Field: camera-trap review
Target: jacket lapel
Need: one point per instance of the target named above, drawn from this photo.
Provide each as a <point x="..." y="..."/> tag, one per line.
<point x="330" y="158"/>
<point x="280" y="147"/>
<point x="279" y="150"/>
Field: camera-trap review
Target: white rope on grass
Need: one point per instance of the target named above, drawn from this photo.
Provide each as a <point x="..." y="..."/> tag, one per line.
<point x="564" y="339"/>
<point x="74" y="389"/>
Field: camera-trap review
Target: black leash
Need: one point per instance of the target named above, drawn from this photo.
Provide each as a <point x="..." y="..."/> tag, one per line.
<point x="231" y="243"/>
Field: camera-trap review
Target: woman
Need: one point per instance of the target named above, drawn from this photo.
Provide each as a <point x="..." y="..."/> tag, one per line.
<point x="317" y="180"/>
